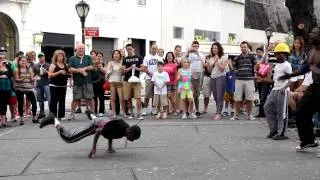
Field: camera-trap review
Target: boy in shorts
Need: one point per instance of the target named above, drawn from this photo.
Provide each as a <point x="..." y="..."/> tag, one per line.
<point x="228" y="95"/>
<point x="160" y="79"/>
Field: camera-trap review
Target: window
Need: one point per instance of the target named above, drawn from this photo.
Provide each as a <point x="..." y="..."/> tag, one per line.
<point x="232" y="38"/>
<point x="206" y="36"/>
<point x="177" y="32"/>
<point x="141" y="2"/>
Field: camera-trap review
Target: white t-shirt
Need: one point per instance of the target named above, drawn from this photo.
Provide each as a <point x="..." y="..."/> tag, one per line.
<point x="196" y="62"/>
<point x="160" y="79"/>
<point x="151" y="61"/>
<point x="215" y="73"/>
<point x="308" y="79"/>
<point x="280" y="70"/>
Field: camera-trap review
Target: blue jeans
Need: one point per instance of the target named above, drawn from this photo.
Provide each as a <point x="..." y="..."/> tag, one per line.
<point x="42" y="92"/>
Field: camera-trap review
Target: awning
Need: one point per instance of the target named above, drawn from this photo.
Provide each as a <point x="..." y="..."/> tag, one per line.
<point x="58" y="40"/>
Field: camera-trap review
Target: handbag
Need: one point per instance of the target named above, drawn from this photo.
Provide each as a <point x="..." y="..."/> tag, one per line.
<point x="106" y="85"/>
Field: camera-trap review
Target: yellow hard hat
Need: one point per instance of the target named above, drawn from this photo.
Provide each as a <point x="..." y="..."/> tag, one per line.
<point x="282" y="47"/>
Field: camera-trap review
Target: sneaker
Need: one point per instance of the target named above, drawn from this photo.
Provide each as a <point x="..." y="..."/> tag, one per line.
<point x="71" y="117"/>
<point x="47" y="120"/>
<point x="144" y="112"/>
<point x="154" y="112"/>
<point x="184" y="116"/>
<point x="225" y="114"/>
<point x="62" y="119"/>
<point x="139" y="117"/>
<point x="131" y="116"/>
<point x="197" y="113"/>
<point x="251" y="118"/>
<point x="232" y="114"/>
<point x="40" y="116"/>
<point x="302" y="147"/>
<point x="271" y="134"/>
<point x="158" y="115"/>
<point x="100" y="115"/>
<point x="27" y="114"/>
<point x="193" y="116"/>
<point x="235" y="117"/>
<point x="279" y="137"/>
<point x="164" y="115"/>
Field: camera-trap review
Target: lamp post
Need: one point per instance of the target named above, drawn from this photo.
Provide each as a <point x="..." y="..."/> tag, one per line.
<point x="268" y="34"/>
<point x="82" y="9"/>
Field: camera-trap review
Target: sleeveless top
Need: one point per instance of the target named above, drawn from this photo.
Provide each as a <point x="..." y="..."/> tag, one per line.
<point x="115" y="68"/>
<point x="5" y="80"/>
<point x="185" y="81"/>
<point x="25" y="85"/>
<point x="59" y="80"/>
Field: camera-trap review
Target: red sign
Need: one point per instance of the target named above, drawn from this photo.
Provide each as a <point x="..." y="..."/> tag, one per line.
<point x="91" y="31"/>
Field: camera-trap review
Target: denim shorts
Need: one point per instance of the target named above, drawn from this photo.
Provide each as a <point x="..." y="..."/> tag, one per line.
<point x="171" y="88"/>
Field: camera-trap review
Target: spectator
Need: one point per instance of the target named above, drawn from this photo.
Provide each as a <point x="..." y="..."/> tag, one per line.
<point x="217" y="64"/>
<point x="297" y="58"/>
<point x="150" y="65"/>
<point x="160" y="52"/>
<point x="98" y="78"/>
<point x="24" y="86"/>
<point x="115" y="78"/>
<point x="184" y="78"/>
<point x="58" y="83"/>
<point x="132" y="65"/>
<point x="244" y="65"/>
<point x="171" y="67"/>
<point x="196" y="64"/>
<point x="6" y="87"/>
<point x="81" y="68"/>
<point x="263" y="79"/>
<point x="40" y="71"/>
<point x="160" y="79"/>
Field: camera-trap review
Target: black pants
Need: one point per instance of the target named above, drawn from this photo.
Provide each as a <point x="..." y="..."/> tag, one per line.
<point x="4" y="101"/>
<point x="31" y="97"/>
<point x="58" y="96"/>
<point x="75" y="134"/>
<point x="98" y="94"/>
<point x="310" y="103"/>
<point x="264" y="90"/>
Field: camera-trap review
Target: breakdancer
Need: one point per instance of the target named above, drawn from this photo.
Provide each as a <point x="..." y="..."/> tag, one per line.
<point x="109" y="129"/>
<point x="310" y="102"/>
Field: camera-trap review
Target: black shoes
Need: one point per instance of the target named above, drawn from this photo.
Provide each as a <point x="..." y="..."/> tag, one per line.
<point x="272" y="134"/>
<point x="40" y="116"/>
<point x="279" y="137"/>
<point x="47" y="120"/>
<point x="88" y="113"/>
<point x="260" y="116"/>
<point x="303" y="146"/>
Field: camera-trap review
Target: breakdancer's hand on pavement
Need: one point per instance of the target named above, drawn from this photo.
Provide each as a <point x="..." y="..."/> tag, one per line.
<point x="92" y="153"/>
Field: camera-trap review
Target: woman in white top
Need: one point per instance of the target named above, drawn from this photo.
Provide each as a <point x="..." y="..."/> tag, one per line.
<point x="115" y="79"/>
<point x="216" y="66"/>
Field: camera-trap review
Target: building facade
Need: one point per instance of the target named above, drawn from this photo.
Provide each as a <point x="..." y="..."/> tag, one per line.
<point x="141" y="22"/>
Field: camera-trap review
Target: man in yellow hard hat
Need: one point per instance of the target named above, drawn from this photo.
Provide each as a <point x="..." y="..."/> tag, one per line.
<point x="276" y="106"/>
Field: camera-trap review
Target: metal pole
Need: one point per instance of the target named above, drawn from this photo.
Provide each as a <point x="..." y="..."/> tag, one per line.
<point x="82" y="28"/>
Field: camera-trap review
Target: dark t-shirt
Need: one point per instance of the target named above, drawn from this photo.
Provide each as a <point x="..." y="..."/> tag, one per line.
<point x="244" y="65"/>
<point x="75" y="62"/>
<point x="114" y="129"/>
<point x="128" y="62"/>
<point x="44" y="77"/>
<point x="60" y="80"/>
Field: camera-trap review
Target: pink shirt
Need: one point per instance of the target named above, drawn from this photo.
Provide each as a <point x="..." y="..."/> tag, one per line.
<point x="171" y="69"/>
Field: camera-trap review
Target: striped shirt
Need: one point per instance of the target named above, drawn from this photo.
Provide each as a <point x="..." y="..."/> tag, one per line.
<point x="244" y="65"/>
<point x="26" y="84"/>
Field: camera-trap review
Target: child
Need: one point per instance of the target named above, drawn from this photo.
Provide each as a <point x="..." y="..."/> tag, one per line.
<point x="160" y="79"/>
<point x="184" y="76"/>
<point x="276" y="106"/>
<point x="228" y="95"/>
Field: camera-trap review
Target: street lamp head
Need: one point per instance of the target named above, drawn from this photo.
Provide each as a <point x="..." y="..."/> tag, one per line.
<point x="82" y="9"/>
<point x="268" y="32"/>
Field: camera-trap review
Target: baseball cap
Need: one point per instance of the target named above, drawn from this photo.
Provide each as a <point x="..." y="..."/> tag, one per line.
<point x="41" y="55"/>
<point x="3" y="49"/>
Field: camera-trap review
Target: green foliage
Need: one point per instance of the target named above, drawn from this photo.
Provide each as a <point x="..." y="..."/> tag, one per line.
<point x="290" y="38"/>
